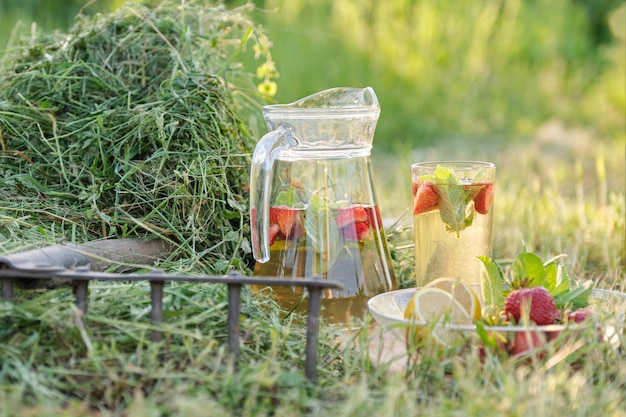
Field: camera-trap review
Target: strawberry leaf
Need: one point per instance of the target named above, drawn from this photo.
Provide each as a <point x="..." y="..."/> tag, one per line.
<point x="491" y="282"/>
<point x="527" y="270"/>
<point x="491" y="340"/>
<point x="550" y="278"/>
<point x="577" y="297"/>
<point x="563" y="281"/>
<point x="485" y="338"/>
<point x="556" y="278"/>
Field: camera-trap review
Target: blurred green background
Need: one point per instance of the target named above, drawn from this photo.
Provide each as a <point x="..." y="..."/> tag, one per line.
<point x="494" y="70"/>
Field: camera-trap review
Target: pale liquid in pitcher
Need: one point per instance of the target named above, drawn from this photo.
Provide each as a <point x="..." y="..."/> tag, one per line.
<point x="442" y="253"/>
<point x="357" y="262"/>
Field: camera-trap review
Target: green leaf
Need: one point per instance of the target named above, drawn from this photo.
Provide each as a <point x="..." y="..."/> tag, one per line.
<point x="454" y="199"/>
<point x="556" y="279"/>
<point x="582" y="295"/>
<point x="231" y="236"/>
<point x="528" y="269"/>
<point x="489" y="339"/>
<point x="221" y="265"/>
<point x="453" y="207"/>
<point x="491" y="282"/>
<point x="577" y="297"/>
<point x="563" y="281"/>
<point x="443" y="175"/>
<point x="550" y="275"/>
<point x="322" y="233"/>
<point x="288" y="197"/>
<point x="236" y="205"/>
<point x="482" y="333"/>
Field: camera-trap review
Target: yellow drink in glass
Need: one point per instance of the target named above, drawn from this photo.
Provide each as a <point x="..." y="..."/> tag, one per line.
<point x="452" y="218"/>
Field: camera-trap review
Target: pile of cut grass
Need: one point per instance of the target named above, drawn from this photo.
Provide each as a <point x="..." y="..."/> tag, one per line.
<point x="131" y="125"/>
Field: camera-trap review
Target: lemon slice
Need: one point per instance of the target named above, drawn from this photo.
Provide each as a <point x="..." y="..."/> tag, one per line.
<point x="441" y="302"/>
<point x="433" y="305"/>
<point x="461" y="292"/>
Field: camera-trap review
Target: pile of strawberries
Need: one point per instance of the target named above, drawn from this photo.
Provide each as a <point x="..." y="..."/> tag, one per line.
<point x="537" y="306"/>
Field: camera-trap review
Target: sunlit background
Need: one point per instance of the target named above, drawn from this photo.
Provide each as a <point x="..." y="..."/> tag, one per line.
<point x="498" y="69"/>
<point x="467" y="78"/>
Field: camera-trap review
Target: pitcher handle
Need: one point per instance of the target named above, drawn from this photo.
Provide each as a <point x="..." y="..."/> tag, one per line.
<point x="265" y="153"/>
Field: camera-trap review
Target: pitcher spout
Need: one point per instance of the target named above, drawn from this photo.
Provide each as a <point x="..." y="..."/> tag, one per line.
<point x="337" y="118"/>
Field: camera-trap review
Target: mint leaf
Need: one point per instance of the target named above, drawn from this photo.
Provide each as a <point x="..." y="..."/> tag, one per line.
<point x="443" y="175"/>
<point x="491" y="282"/>
<point x="339" y="204"/>
<point x="323" y="234"/>
<point x="289" y="198"/>
<point x="454" y="197"/>
<point x="453" y="207"/>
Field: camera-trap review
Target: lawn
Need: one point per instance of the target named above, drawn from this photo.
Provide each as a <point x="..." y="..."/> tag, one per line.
<point x="550" y="203"/>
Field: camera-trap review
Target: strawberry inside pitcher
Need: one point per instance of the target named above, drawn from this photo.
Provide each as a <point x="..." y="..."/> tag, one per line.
<point x="341" y="243"/>
<point x="353" y="223"/>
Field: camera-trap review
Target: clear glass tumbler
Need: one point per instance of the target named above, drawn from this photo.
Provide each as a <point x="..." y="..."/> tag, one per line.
<point x="453" y="218"/>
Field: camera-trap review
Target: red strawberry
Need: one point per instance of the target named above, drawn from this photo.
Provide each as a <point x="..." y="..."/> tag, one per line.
<point x="350" y="215"/>
<point x="374" y="218"/>
<point x="484" y="199"/>
<point x="296" y="231"/>
<point x="254" y="234"/>
<point x="425" y="198"/>
<point x="542" y="307"/>
<point x="285" y="217"/>
<point x="356" y="231"/>
<point x="526" y="342"/>
<point x="496" y="343"/>
<point x="253" y="217"/>
<point x="274" y="232"/>
<point x="580" y="315"/>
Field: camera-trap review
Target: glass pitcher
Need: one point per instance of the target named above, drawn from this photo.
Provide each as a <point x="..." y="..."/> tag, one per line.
<point x="313" y="211"/>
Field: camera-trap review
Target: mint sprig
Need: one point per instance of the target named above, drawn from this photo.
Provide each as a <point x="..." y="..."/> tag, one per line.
<point x="454" y="197"/>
